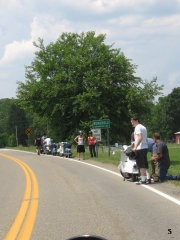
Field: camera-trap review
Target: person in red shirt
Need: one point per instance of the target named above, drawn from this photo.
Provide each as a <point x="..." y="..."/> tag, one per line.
<point x="92" y="144"/>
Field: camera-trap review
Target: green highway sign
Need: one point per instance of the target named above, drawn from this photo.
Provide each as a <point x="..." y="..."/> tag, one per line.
<point x="104" y="123"/>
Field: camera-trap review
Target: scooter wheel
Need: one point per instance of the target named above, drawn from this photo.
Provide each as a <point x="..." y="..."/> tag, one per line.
<point x="134" y="178"/>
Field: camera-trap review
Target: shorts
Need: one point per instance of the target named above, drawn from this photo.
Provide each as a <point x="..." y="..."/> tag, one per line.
<point x="141" y="158"/>
<point x="38" y="147"/>
<point x="80" y="148"/>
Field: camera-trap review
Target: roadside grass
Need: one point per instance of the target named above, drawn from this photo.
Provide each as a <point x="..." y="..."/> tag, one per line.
<point x="103" y="157"/>
<point x="22" y="148"/>
<point x="174" y="153"/>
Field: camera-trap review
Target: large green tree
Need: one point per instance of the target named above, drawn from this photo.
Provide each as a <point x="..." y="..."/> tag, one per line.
<point x="173" y="110"/>
<point x="13" y="123"/>
<point x="165" y="117"/>
<point x="78" y="79"/>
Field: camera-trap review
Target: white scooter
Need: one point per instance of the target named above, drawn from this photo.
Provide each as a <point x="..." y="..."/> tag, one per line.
<point x="64" y="150"/>
<point x="128" y="167"/>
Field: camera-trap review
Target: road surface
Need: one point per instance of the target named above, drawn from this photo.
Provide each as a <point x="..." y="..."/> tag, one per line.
<point x="69" y="198"/>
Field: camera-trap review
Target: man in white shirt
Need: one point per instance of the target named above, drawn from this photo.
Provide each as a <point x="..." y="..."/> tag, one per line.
<point x="141" y="148"/>
<point x="47" y="145"/>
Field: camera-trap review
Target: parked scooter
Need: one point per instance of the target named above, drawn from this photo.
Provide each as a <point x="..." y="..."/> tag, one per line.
<point x="47" y="149"/>
<point x="128" y="167"/>
<point x="53" y="149"/>
<point x="64" y="150"/>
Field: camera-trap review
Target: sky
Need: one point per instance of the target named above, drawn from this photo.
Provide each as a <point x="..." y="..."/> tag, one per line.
<point x="146" y="31"/>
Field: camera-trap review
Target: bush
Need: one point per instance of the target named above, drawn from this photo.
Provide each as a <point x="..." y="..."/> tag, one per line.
<point x="12" y="141"/>
<point x="3" y="139"/>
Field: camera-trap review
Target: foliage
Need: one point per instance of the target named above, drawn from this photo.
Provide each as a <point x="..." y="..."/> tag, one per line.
<point x="5" y="105"/>
<point x="173" y="111"/>
<point x="12" y="119"/>
<point x="12" y="141"/>
<point x="78" y="79"/>
<point x="3" y="139"/>
<point x="165" y="117"/>
<point x="17" y="121"/>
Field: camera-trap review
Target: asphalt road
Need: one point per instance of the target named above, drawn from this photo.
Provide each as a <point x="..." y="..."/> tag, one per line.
<point x="75" y="198"/>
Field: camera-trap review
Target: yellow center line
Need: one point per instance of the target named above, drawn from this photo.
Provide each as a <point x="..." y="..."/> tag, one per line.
<point x="24" y="221"/>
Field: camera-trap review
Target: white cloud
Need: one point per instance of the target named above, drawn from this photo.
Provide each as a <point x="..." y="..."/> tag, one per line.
<point x="141" y="28"/>
<point x="16" y="50"/>
<point x="163" y="24"/>
<point x="125" y="21"/>
<point x="41" y="27"/>
<point x="174" y="78"/>
<point x="47" y="27"/>
<point x="11" y="3"/>
<point x="103" y="6"/>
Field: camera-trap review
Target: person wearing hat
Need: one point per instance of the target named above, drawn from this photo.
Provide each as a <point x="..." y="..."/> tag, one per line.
<point x="140" y="149"/>
<point x="92" y="144"/>
<point x="79" y="139"/>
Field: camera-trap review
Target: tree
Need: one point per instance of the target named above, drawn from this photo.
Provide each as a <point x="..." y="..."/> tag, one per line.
<point x="172" y="110"/>
<point x="17" y="121"/>
<point x="78" y="79"/>
<point x="165" y="117"/>
<point x="158" y="122"/>
<point x="5" y="105"/>
<point x="12" y="140"/>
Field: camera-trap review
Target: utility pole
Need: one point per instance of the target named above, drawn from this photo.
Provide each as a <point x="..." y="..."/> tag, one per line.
<point x="16" y="137"/>
<point x="108" y="142"/>
<point x="47" y="129"/>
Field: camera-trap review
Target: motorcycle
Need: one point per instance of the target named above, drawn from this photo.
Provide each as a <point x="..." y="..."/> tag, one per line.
<point x="128" y="167"/>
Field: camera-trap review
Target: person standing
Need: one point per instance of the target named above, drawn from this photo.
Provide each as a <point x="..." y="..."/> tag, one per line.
<point x="141" y="148"/>
<point x="92" y="144"/>
<point x="47" y="145"/>
<point x="38" y="144"/>
<point x="162" y="160"/>
<point x="80" y="144"/>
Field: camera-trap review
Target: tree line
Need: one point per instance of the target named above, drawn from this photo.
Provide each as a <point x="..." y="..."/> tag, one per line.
<point x="78" y="79"/>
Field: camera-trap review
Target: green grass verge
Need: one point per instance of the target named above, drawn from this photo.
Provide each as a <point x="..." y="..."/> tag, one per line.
<point x="174" y="152"/>
<point x="103" y="155"/>
<point x="29" y="149"/>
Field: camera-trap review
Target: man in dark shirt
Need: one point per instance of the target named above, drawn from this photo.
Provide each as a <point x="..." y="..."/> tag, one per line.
<point x="38" y="144"/>
<point x="162" y="157"/>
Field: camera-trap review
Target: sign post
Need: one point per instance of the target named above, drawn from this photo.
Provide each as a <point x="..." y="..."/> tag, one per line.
<point x="103" y="124"/>
<point x="97" y="135"/>
<point x="28" y="133"/>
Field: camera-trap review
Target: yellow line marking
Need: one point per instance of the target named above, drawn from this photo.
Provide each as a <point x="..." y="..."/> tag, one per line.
<point x="23" y="224"/>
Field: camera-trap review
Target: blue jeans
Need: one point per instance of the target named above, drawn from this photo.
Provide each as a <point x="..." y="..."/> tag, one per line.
<point x="163" y="174"/>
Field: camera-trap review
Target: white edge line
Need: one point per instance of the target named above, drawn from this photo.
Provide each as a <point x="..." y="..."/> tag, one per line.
<point x="172" y="199"/>
<point x="164" y="195"/>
